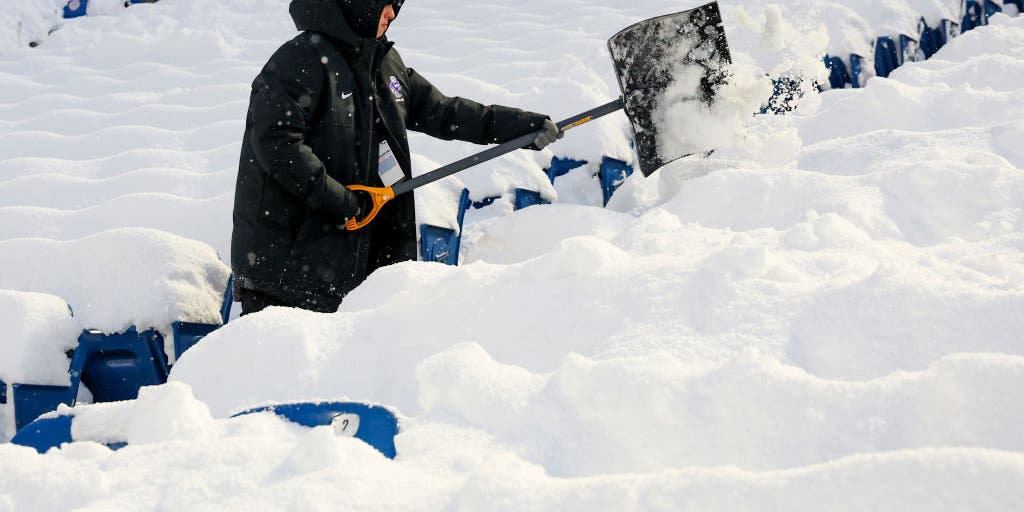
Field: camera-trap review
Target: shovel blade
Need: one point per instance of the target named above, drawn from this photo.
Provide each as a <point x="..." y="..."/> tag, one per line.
<point x="682" y="57"/>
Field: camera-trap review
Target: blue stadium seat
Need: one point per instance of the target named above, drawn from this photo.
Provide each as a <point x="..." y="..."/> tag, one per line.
<point x="372" y="424"/>
<point x="229" y="298"/>
<point x="3" y="393"/>
<point x="75" y="8"/>
<point x="930" y="38"/>
<point x="560" y="166"/>
<point x="910" y="50"/>
<point x="45" y="433"/>
<point x="525" y="198"/>
<point x="973" y="15"/>
<point x="487" y="201"/>
<point x="187" y="334"/>
<point x="32" y="401"/>
<point x="115" y="366"/>
<point x="612" y="173"/>
<point x="375" y="425"/>
<point x="857" y="75"/>
<point x="442" y="244"/>
<point x="887" y="56"/>
<point x="838" y="75"/>
<point x="949" y="30"/>
<point x="436" y="244"/>
<point x="991" y="9"/>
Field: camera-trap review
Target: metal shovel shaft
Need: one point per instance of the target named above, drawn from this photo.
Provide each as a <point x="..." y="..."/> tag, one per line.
<point x="507" y="147"/>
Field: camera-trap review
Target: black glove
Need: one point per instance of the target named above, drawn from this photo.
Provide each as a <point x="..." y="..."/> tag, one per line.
<point x="365" y="202"/>
<point x="548" y="134"/>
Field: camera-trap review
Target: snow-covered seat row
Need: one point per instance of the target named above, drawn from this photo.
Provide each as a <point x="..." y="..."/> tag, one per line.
<point x="977" y="13"/>
<point x="112" y="367"/>
<point x="441" y="243"/>
<point x="114" y="424"/>
<point x="523" y="197"/>
<point x="891" y="52"/>
<point x="140" y="298"/>
<point x="39" y="330"/>
<point x="933" y="38"/>
<point x="78" y="8"/>
<point x="610" y="174"/>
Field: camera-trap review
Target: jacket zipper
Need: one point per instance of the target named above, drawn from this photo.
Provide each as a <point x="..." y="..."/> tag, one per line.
<point x="365" y="234"/>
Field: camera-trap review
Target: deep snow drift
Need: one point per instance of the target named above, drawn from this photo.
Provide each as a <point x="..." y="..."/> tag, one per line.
<point x="823" y="315"/>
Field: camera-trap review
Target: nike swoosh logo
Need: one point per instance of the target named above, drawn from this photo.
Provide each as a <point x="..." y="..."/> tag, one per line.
<point x="345" y="96"/>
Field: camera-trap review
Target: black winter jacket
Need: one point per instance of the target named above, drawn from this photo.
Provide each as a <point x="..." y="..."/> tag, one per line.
<point x="310" y="131"/>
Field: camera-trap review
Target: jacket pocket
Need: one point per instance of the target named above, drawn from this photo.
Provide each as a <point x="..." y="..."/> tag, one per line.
<point x="325" y="258"/>
<point x="275" y="205"/>
<point x="310" y="231"/>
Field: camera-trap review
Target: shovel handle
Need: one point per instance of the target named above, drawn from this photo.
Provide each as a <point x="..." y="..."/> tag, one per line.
<point x="507" y="147"/>
<point x="380" y="196"/>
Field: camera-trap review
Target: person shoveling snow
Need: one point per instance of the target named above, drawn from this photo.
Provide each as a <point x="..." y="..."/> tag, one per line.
<point x="327" y="123"/>
<point x="330" y="109"/>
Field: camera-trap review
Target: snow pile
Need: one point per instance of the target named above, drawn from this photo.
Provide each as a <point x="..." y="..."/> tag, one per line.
<point x="451" y="467"/>
<point x="121" y="278"/>
<point x="828" y="320"/>
<point x="38" y="331"/>
<point x="167" y="413"/>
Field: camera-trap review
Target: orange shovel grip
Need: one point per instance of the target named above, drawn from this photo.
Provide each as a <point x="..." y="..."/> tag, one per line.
<point x="380" y="195"/>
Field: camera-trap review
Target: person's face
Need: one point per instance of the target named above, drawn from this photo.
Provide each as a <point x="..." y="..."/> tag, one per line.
<point x="386" y="16"/>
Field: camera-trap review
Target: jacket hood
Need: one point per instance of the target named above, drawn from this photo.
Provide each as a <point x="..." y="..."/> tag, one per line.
<point x="345" y="20"/>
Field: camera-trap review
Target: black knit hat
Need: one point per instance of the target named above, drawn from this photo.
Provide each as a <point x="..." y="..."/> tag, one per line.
<point x="364" y="15"/>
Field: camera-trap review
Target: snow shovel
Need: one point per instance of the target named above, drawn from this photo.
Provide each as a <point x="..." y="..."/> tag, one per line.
<point x="663" y="61"/>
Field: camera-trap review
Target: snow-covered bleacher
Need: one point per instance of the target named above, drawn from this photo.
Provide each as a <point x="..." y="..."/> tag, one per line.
<point x="130" y="318"/>
<point x="891" y="51"/>
<point x="112" y="311"/>
<point x="827" y="312"/>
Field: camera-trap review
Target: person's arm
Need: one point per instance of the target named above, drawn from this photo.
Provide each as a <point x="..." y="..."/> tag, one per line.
<point x="286" y="95"/>
<point x="449" y="118"/>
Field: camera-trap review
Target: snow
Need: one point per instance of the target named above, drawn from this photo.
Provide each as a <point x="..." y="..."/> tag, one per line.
<point x="687" y="126"/>
<point x="168" y="413"/>
<point x="28" y="21"/>
<point x="121" y="278"/>
<point x="824" y="314"/>
<point x="39" y="331"/>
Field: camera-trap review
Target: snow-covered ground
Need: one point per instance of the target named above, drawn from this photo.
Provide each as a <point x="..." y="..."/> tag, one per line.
<point x="825" y="315"/>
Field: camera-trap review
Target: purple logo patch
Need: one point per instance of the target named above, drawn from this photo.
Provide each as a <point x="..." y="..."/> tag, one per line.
<point x="396" y="87"/>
